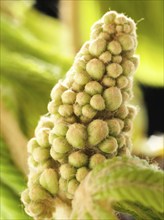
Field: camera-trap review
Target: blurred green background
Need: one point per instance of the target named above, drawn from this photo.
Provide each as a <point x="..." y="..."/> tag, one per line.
<point x="37" y="50"/>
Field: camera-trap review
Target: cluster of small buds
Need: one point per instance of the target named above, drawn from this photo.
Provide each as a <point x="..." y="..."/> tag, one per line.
<point x="89" y="117"/>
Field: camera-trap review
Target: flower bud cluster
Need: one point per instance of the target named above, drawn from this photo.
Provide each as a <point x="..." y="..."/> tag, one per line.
<point x="89" y="116"/>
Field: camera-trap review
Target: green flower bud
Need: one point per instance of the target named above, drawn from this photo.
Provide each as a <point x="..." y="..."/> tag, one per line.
<point x="95" y="68"/>
<point x="60" y="145"/>
<point x="44" y="122"/>
<point x="63" y="184"/>
<point x="114" y="47"/>
<point x="105" y="57"/>
<point x="81" y="173"/>
<point x="55" y="155"/>
<point x="114" y="70"/>
<point x="84" y="119"/>
<point x="52" y="107"/>
<point x="77" y="109"/>
<point x="32" y="144"/>
<point x="88" y="111"/>
<point x="121" y="140"/>
<point x="72" y="186"/>
<point x="109" y="145"/>
<point x="126" y="41"/>
<point x="128" y="124"/>
<point x="57" y="91"/>
<point x="121" y="123"/>
<point x="83" y="98"/>
<point x="79" y="65"/>
<point x="68" y="97"/>
<point x="37" y="193"/>
<point x="126" y="28"/>
<point x="35" y="209"/>
<point x="109" y="17"/>
<point x="60" y="128"/>
<point x="31" y="162"/>
<point x="49" y="181"/>
<point x="95" y="33"/>
<point x="42" y="137"/>
<point x="78" y="159"/>
<point x="25" y="196"/>
<point x="113" y="98"/>
<point x="93" y="88"/>
<point x="119" y="28"/>
<point x="45" y="164"/>
<point x="128" y="67"/>
<point x="97" y="102"/>
<point x="41" y="154"/>
<point x="120" y="19"/>
<point x="114" y="127"/>
<point x="84" y="48"/>
<point x="122" y="112"/>
<point x="72" y="119"/>
<point x="117" y="59"/>
<point x="122" y="81"/>
<point x="104" y="35"/>
<point x="109" y="28"/>
<point x="52" y="136"/>
<point x="33" y="179"/>
<point x="132" y="112"/>
<point x="125" y="96"/>
<point x="135" y="60"/>
<point x="67" y="171"/>
<point x="96" y="25"/>
<point x="97" y="46"/>
<point x="82" y="78"/>
<point x="76" y="87"/>
<point x="95" y="160"/>
<point x="77" y="135"/>
<point x="108" y="81"/>
<point x="65" y="110"/>
<point x="97" y="131"/>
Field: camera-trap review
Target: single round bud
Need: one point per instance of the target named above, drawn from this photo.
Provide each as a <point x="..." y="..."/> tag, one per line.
<point x="52" y="136"/>
<point x="95" y="33"/>
<point x="33" y="179"/>
<point x="128" y="124"/>
<point x="25" y="196"/>
<point x="60" y="145"/>
<point x="83" y="98"/>
<point x="84" y="48"/>
<point x="135" y="60"/>
<point x="41" y="154"/>
<point x="126" y="41"/>
<point x="84" y="119"/>
<point x="42" y="137"/>
<point x="126" y="28"/>
<point x="57" y="91"/>
<point x="79" y="65"/>
<point x="67" y="171"/>
<point x="121" y="123"/>
<point x="77" y="135"/>
<point x="108" y="81"/>
<point x="55" y="155"/>
<point x="72" y="119"/>
<point x="113" y="98"/>
<point x="31" y="162"/>
<point x="125" y="96"/>
<point x="121" y="140"/>
<point x="60" y="128"/>
<point x="95" y="68"/>
<point x="72" y="186"/>
<point x="128" y="68"/>
<point x="97" y="102"/>
<point x="109" y="145"/>
<point x="32" y="144"/>
<point x="82" y="78"/>
<point x="114" y="47"/>
<point x="45" y="164"/>
<point x="45" y="122"/>
<point x="96" y="25"/>
<point x="117" y="59"/>
<point x="78" y="159"/>
<point x="131" y="112"/>
<point x="105" y="57"/>
<point x="35" y="209"/>
<point x="109" y="17"/>
<point x="88" y="111"/>
<point x="95" y="160"/>
<point x="93" y="88"/>
<point x="77" y="109"/>
<point x="109" y="28"/>
<point x="120" y="19"/>
<point x="81" y="173"/>
<point x="76" y="87"/>
<point x="37" y="193"/>
<point x="68" y="97"/>
<point x="114" y="70"/>
<point x="49" y="181"/>
<point x="53" y="107"/>
<point x="122" y="81"/>
<point x="114" y="126"/>
<point x="122" y="112"/>
<point x="104" y="35"/>
<point x="65" y="110"/>
<point x="97" y="46"/>
<point x="62" y="184"/>
<point x="97" y="131"/>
